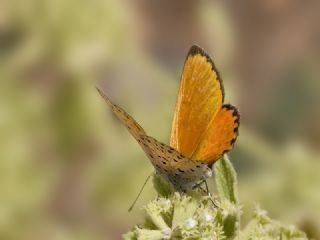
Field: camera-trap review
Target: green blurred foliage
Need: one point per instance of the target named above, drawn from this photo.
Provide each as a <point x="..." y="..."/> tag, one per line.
<point x="70" y="171"/>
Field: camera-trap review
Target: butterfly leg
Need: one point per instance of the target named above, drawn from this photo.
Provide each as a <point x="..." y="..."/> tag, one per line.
<point x="206" y="190"/>
<point x="210" y="195"/>
<point x="198" y="185"/>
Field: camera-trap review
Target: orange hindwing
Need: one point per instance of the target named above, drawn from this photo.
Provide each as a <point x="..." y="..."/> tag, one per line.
<point x="220" y="136"/>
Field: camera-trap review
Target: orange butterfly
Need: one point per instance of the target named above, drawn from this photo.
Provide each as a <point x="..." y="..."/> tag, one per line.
<point x="203" y="127"/>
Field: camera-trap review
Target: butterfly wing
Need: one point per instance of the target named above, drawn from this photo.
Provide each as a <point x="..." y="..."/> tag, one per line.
<point x="199" y="100"/>
<point x="133" y="127"/>
<point x="181" y="171"/>
<point x="220" y="136"/>
<point x="202" y="127"/>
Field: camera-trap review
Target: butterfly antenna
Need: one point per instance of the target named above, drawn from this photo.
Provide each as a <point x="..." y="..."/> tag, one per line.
<point x="144" y="184"/>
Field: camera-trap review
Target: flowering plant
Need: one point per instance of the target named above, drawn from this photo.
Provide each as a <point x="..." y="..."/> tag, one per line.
<point x="174" y="215"/>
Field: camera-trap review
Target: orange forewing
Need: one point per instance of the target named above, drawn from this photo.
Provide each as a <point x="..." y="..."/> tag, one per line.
<point x="199" y="99"/>
<point x="220" y="136"/>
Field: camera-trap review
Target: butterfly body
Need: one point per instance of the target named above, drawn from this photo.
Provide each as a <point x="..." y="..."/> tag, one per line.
<point x="178" y="169"/>
<point x="203" y="127"/>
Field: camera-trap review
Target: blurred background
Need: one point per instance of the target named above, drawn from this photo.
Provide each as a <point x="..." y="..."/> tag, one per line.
<point x="69" y="170"/>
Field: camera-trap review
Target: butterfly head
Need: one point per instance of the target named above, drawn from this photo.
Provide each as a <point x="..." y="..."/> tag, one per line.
<point x="207" y="172"/>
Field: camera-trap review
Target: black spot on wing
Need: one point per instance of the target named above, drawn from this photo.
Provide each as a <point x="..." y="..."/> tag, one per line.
<point x="179" y="156"/>
<point x="126" y="115"/>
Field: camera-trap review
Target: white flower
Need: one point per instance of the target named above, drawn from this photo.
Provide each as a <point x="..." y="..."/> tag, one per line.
<point x="213" y="237"/>
<point x="262" y="213"/>
<point x="167" y="233"/>
<point x="292" y="228"/>
<point x="207" y="216"/>
<point x="225" y="213"/>
<point x="167" y="203"/>
<point x="191" y="223"/>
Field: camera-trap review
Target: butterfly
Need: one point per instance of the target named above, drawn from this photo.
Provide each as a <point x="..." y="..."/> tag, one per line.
<point x="203" y="128"/>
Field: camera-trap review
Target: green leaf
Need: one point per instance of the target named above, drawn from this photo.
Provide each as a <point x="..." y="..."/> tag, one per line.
<point x="132" y="235"/>
<point x="226" y="180"/>
<point x="146" y="234"/>
<point x="228" y="217"/>
<point x="163" y="187"/>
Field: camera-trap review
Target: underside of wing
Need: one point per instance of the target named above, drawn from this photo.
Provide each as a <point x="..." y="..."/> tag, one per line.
<point x="199" y="99"/>
<point x="133" y="127"/>
<point x="180" y="170"/>
<point x="220" y="136"/>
